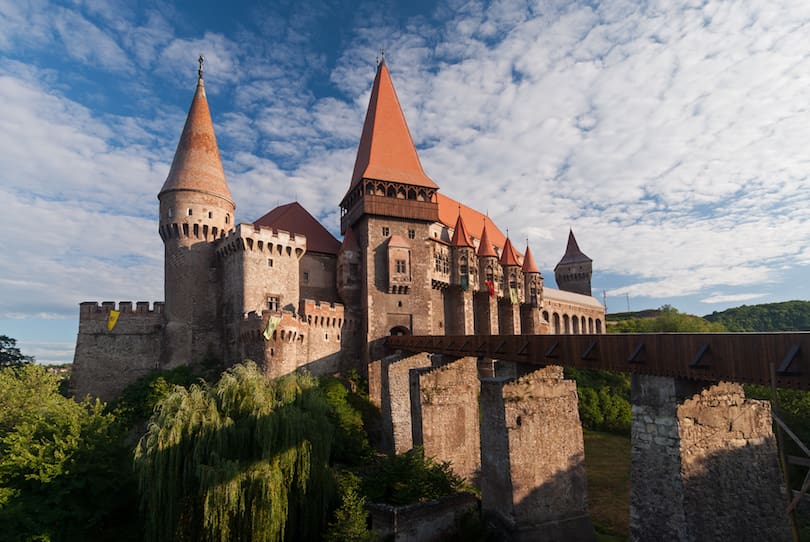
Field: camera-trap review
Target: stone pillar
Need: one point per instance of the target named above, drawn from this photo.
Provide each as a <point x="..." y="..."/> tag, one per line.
<point x="509" y="317"/>
<point x="530" y="320"/>
<point x="486" y="314"/>
<point x="460" y="310"/>
<point x="533" y="484"/>
<point x="389" y="389"/>
<point x="448" y="423"/>
<point x="704" y="464"/>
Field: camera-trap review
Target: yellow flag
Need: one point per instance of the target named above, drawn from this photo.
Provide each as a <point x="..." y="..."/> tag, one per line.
<point x="112" y="319"/>
<point x="272" y="323"/>
<point x="513" y="295"/>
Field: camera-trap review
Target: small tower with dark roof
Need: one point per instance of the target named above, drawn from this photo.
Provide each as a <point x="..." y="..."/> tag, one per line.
<point x="196" y="209"/>
<point x="574" y="270"/>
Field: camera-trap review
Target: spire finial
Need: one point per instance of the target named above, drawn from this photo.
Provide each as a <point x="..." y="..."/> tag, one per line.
<point x="200" y="61"/>
<point x="507" y="233"/>
<point x="382" y="53"/>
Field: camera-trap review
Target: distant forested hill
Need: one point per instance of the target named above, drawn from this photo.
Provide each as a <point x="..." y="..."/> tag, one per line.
<point x="786" y="316"/>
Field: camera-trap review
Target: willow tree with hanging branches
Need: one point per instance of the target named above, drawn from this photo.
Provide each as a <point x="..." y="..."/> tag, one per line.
<point x="246" y="459"/>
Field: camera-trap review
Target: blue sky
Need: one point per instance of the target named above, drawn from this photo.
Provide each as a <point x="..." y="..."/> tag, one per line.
<point x="672" y="136"/>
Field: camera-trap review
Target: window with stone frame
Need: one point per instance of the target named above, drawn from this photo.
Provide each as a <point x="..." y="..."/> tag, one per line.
<point x="273" y="303"/>
<point x="400" y="267"/>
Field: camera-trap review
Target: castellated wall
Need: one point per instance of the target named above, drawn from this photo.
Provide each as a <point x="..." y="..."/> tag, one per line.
<point x="695" y="443"/>
<point x="105" y="361"/>
<point x="445" y="406"/>
<point x="309" y="339"/>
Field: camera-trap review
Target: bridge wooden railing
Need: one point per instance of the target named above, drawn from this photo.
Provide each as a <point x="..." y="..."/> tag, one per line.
<point x="737" y="357"/>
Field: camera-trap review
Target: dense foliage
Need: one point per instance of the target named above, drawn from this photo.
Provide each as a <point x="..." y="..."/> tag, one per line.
<point x="668" y="320"/>
<point x="60" y="463"/>
<point x="787" y="316"/>
<point x="604" y="399"/>
<point x="409" y="478"/>
<point x="10" y="355"/>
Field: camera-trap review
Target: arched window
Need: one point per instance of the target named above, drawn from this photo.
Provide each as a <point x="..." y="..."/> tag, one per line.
<point x="566" y="326"/>
<point x="399" y="330"/>
<point x="555" y="324"/>
<point x="463" y="269"/>
<point x="392" y="192"/>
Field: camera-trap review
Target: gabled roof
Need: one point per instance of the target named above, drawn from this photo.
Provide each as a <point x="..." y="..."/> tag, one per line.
<point x="398" y="241"/>
<point x="485" y="245"/>
<point x="386" y="151"/>
<point x="196" y="164"/>
<point x="572" y="252"/>
<point x="460" y="236"/>
<point x="350" y="240"/>
<point x="509" y="255"/>
<point x="528" y="262"/>
<point x="293" y="218"/>
<point x="449" y="210"/>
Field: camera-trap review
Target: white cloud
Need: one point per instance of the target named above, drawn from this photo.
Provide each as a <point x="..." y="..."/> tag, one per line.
<point x="731" y="298"/>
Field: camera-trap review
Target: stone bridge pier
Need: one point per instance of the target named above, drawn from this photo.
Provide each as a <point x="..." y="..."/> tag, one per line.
<point x="704" y="464"/>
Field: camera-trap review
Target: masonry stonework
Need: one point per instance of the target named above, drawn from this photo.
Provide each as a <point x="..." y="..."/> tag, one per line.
<point x="697" y="443"/>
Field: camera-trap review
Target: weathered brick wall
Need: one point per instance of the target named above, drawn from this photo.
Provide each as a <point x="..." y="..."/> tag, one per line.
<point x="105" y="362"/>
<point x="704" y="464"/>
<point x="448" y="415"/>
<point x="532" y="457"/>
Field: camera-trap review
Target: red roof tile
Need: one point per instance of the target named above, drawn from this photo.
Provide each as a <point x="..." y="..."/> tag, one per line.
<point x="460" y="236"/>
<point x="386" y="151"/>
<point x="350" y="240"/>
<point x="293" y="218"/>
<point x="398" y="241"/>
<point x="196" y="164"/>
<point x="485" y="246"/>
<point x="528" y="262"/>
<point x="508" y="255"/>
<point x="474" y="220"/>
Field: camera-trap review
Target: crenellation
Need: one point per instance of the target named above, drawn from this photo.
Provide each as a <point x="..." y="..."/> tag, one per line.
<point x="89" y="310"/>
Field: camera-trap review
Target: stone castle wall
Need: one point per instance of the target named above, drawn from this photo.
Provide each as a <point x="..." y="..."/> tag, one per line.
<point x="105" y="362"/>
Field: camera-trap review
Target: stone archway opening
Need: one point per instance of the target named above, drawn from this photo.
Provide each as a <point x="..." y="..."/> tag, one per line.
<point x="399" y="330"/>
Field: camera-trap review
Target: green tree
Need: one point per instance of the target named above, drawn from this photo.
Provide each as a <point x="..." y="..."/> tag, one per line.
<point x="246" y="459"/>
<point x="669" y="320"/>
<point x="60" y="462"/>
<point x="10" y="355"/>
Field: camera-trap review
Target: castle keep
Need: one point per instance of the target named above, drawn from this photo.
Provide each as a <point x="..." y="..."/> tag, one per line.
<point x="284" y="292"/>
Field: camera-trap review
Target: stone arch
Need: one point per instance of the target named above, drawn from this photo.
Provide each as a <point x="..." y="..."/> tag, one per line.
<point x="575" y="325"/>
<point x="590" y="325"/>
<point x="391" y="192"/>
<point x="411" y="194"/>
<point x="555" y="326"/>
<point x="598" y="325"/>
<point x="401" y="193"/>
<point x="399" y="330"/>
<point x="566" y="324"/>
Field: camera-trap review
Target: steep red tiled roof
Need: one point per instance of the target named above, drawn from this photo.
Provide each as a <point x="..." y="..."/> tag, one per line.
<point x="350" y="240"/>
<point x="386" y="151"/>
<point x="474" y="220"/>
<point x="528" y="262"/>
<point x="196" y="164"/>
<point x="398" y="241"/>
<point x="509" y="255"/>
<point x="485" y="246"/>
<point x="572" y="252"/>
<point x="460" y="236"/>
<point x="293" y="218"/>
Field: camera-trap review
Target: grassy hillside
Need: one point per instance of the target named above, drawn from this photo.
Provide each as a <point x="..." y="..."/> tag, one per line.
<point x="786" y="316"/>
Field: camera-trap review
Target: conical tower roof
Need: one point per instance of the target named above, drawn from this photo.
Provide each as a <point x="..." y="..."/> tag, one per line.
<point x="572" y="252"/>
<point x="386" y="150"/>
<point x="350" y="241"/>
<point x="509" y="255"/>
<point x="528" y="262"/>
<point x="197" y="165"/>
<point x="460" y="236"/>
<point x="485" y="246"/>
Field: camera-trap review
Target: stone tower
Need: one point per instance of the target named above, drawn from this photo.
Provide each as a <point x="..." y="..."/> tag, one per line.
<point x="486" y="300"/>
<point x="390" y="205"/>
<point x="573" y="272"/>
<point x="196" y="209"/>
<point x="509" y="309"/>
<point x="533" y="292"/>
<point x="464" y="281"/>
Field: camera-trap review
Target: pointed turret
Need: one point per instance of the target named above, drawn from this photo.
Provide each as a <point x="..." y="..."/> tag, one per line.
<point x="460" y="236"/>
<point x="196" y="164"/>
<point x="388" y="179"/>
<point x="485" y="246"/>
<point x="528" y="262"/>
<point x="509" y="255"/>
<point x="573" y="272"/>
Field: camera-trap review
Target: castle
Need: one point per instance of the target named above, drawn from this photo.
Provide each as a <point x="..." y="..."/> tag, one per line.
<point x="284" y="292"/>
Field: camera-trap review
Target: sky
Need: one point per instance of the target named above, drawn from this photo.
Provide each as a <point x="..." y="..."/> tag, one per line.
<point x="670" y="135"/>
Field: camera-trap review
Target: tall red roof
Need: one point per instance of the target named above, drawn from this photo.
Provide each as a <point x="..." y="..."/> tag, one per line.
<point x="386" y="151"/>
<point x="449" y="210"/>
<point x="528" y="262"/>
<point x="509" y="255"/>
<point x="460" y="236"/>
<point x="350" y="240"/>
<point x="293" y="218"/>
<point x="572" y="252"/>
<point x="485" y="245"/>
<point x="196" y="164"/>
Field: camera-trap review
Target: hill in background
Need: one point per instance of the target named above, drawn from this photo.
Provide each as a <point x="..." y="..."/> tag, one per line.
<point x="785" y="316"/>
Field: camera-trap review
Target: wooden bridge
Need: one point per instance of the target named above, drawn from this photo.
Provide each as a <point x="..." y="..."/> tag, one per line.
<point x="745" y="358"/>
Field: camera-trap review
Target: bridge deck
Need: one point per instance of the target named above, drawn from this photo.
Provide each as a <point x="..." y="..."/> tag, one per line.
<point x="738" y="357"/>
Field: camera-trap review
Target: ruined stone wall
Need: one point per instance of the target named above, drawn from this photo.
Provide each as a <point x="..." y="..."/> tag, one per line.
<point x="105" y="362"/>
<point x="448" y="415"/>
<point x="430" y="521"/>
<point x="532" y="457"/>
<point x="704" y="464"/>
<point x="318" y="277"/>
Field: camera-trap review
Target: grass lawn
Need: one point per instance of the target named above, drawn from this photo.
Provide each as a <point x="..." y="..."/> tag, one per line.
<point x="607" y="462"/>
